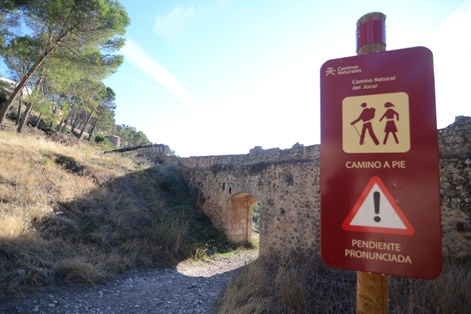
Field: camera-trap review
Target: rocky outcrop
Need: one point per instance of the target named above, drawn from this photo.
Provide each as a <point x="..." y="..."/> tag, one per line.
<point x="116" y="140"/>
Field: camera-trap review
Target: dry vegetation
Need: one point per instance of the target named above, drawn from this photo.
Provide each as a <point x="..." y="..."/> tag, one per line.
<point x="303" y="284"/>
<point x="69" y="213"/>
<point x="295" y="284"/>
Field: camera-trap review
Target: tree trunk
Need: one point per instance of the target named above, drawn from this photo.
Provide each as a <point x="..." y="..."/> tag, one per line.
<point x="19" y="88"/>
<point x="100" y="109"/>
<point x="68" y="119"/>
<point x="86" y="123"/>
<point x="37" y="122"/>
<point x="21" y="85"/>
<point x="18" y="116"/>
<point x="24" y="121"/>
<point x="59" y="126"/>
<point x="92" y="130"/>
<point x="63" y="126"/>
<point x="63" y="122"/>
<point x="54" y="113"/>
<point x="74" y="124"/>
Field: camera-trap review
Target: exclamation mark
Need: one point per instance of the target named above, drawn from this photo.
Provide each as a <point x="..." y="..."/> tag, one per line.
<point x="376" y="203"/>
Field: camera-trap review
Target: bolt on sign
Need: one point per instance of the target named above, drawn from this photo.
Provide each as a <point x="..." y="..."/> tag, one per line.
<point x="380" y="194"/>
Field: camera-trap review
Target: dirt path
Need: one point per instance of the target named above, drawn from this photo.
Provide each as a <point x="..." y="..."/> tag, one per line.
<point x="190" y="288"/>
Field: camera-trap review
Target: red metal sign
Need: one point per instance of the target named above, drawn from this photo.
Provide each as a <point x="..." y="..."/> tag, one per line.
<point x="380" y="195"/>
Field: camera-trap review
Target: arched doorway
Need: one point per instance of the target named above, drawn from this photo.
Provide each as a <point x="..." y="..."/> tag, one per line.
<point x="239" y="224"/>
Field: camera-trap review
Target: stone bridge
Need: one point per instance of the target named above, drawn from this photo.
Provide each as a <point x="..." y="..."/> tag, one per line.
<point x="286" y="185"/>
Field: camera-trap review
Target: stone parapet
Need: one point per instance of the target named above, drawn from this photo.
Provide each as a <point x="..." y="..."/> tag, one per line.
<point x="298" y="152"/>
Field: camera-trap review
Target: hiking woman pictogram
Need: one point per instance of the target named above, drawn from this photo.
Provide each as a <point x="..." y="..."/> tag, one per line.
<point x="366" y="116"/>
<point x="391" y="116"/>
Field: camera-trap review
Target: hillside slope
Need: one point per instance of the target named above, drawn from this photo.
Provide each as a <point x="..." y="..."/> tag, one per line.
<point x="73" y="214"/>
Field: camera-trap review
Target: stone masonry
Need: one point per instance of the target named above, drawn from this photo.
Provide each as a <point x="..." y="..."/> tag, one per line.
<point x="455" y="186"/>
<point x="286" y="184"/>
<point x="155" y="150"/>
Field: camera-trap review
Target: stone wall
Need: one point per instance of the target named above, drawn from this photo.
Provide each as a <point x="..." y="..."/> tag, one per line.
<point x="287" y="192"/>
<point x="256" y="155"/>
<point x="454" y="141"/>
<point x="455" y="187"/>
<point x="455" y="192"/>
<point x="286" y="184"/>
<point x="156" y="151"/>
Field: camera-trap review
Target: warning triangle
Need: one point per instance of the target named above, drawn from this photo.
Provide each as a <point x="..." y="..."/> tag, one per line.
<point x="376" y="211"/>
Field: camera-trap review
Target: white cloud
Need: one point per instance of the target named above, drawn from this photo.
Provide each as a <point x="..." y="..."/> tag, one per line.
<point x="139" y="82"/>
<point x="177" y="20"/>
<point x="146" y="64"/>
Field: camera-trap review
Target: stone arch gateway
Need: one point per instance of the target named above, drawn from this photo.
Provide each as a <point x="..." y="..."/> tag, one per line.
<point x="239" y="221"/>
<point x="284" y="182"/>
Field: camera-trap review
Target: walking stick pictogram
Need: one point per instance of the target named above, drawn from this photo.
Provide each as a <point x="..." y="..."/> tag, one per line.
<point x="358" y="132"/>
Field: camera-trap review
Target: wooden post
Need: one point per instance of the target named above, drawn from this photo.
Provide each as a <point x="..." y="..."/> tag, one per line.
<point x="372" y="289"/>
<point x="372" y="293"/>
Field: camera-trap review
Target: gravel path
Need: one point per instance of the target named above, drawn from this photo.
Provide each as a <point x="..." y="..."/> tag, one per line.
<point x="190" y="288"/>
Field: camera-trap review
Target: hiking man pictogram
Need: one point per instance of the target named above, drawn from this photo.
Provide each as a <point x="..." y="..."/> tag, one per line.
<point x="366" y="116"/>
<point x="391" y="115"/>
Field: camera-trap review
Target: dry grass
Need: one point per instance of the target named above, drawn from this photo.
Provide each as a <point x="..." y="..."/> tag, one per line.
<point x="74" y="214"/>
<point x="291" y="284"/>
<point x="303" y="284"/>
<point x="449" y="293"/>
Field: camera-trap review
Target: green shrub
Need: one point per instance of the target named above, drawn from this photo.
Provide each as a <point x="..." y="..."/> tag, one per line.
<point x="99" y="138"/>
<point x="107" y="145"/>
<point x="11" y="115"/>
<point x="68" y="132"/>
<point x="104" y="141"/>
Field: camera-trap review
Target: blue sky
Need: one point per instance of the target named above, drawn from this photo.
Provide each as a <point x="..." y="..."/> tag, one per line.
<point x="214" y="77"/>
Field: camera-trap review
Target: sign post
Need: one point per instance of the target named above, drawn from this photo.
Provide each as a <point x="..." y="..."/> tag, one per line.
<point x="380" y="196"/>
<point x="372" y="289"/>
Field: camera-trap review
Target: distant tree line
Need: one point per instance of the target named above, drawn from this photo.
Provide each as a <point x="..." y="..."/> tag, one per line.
<point x="130" y="136"/>
<point x="58" y="52"/>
